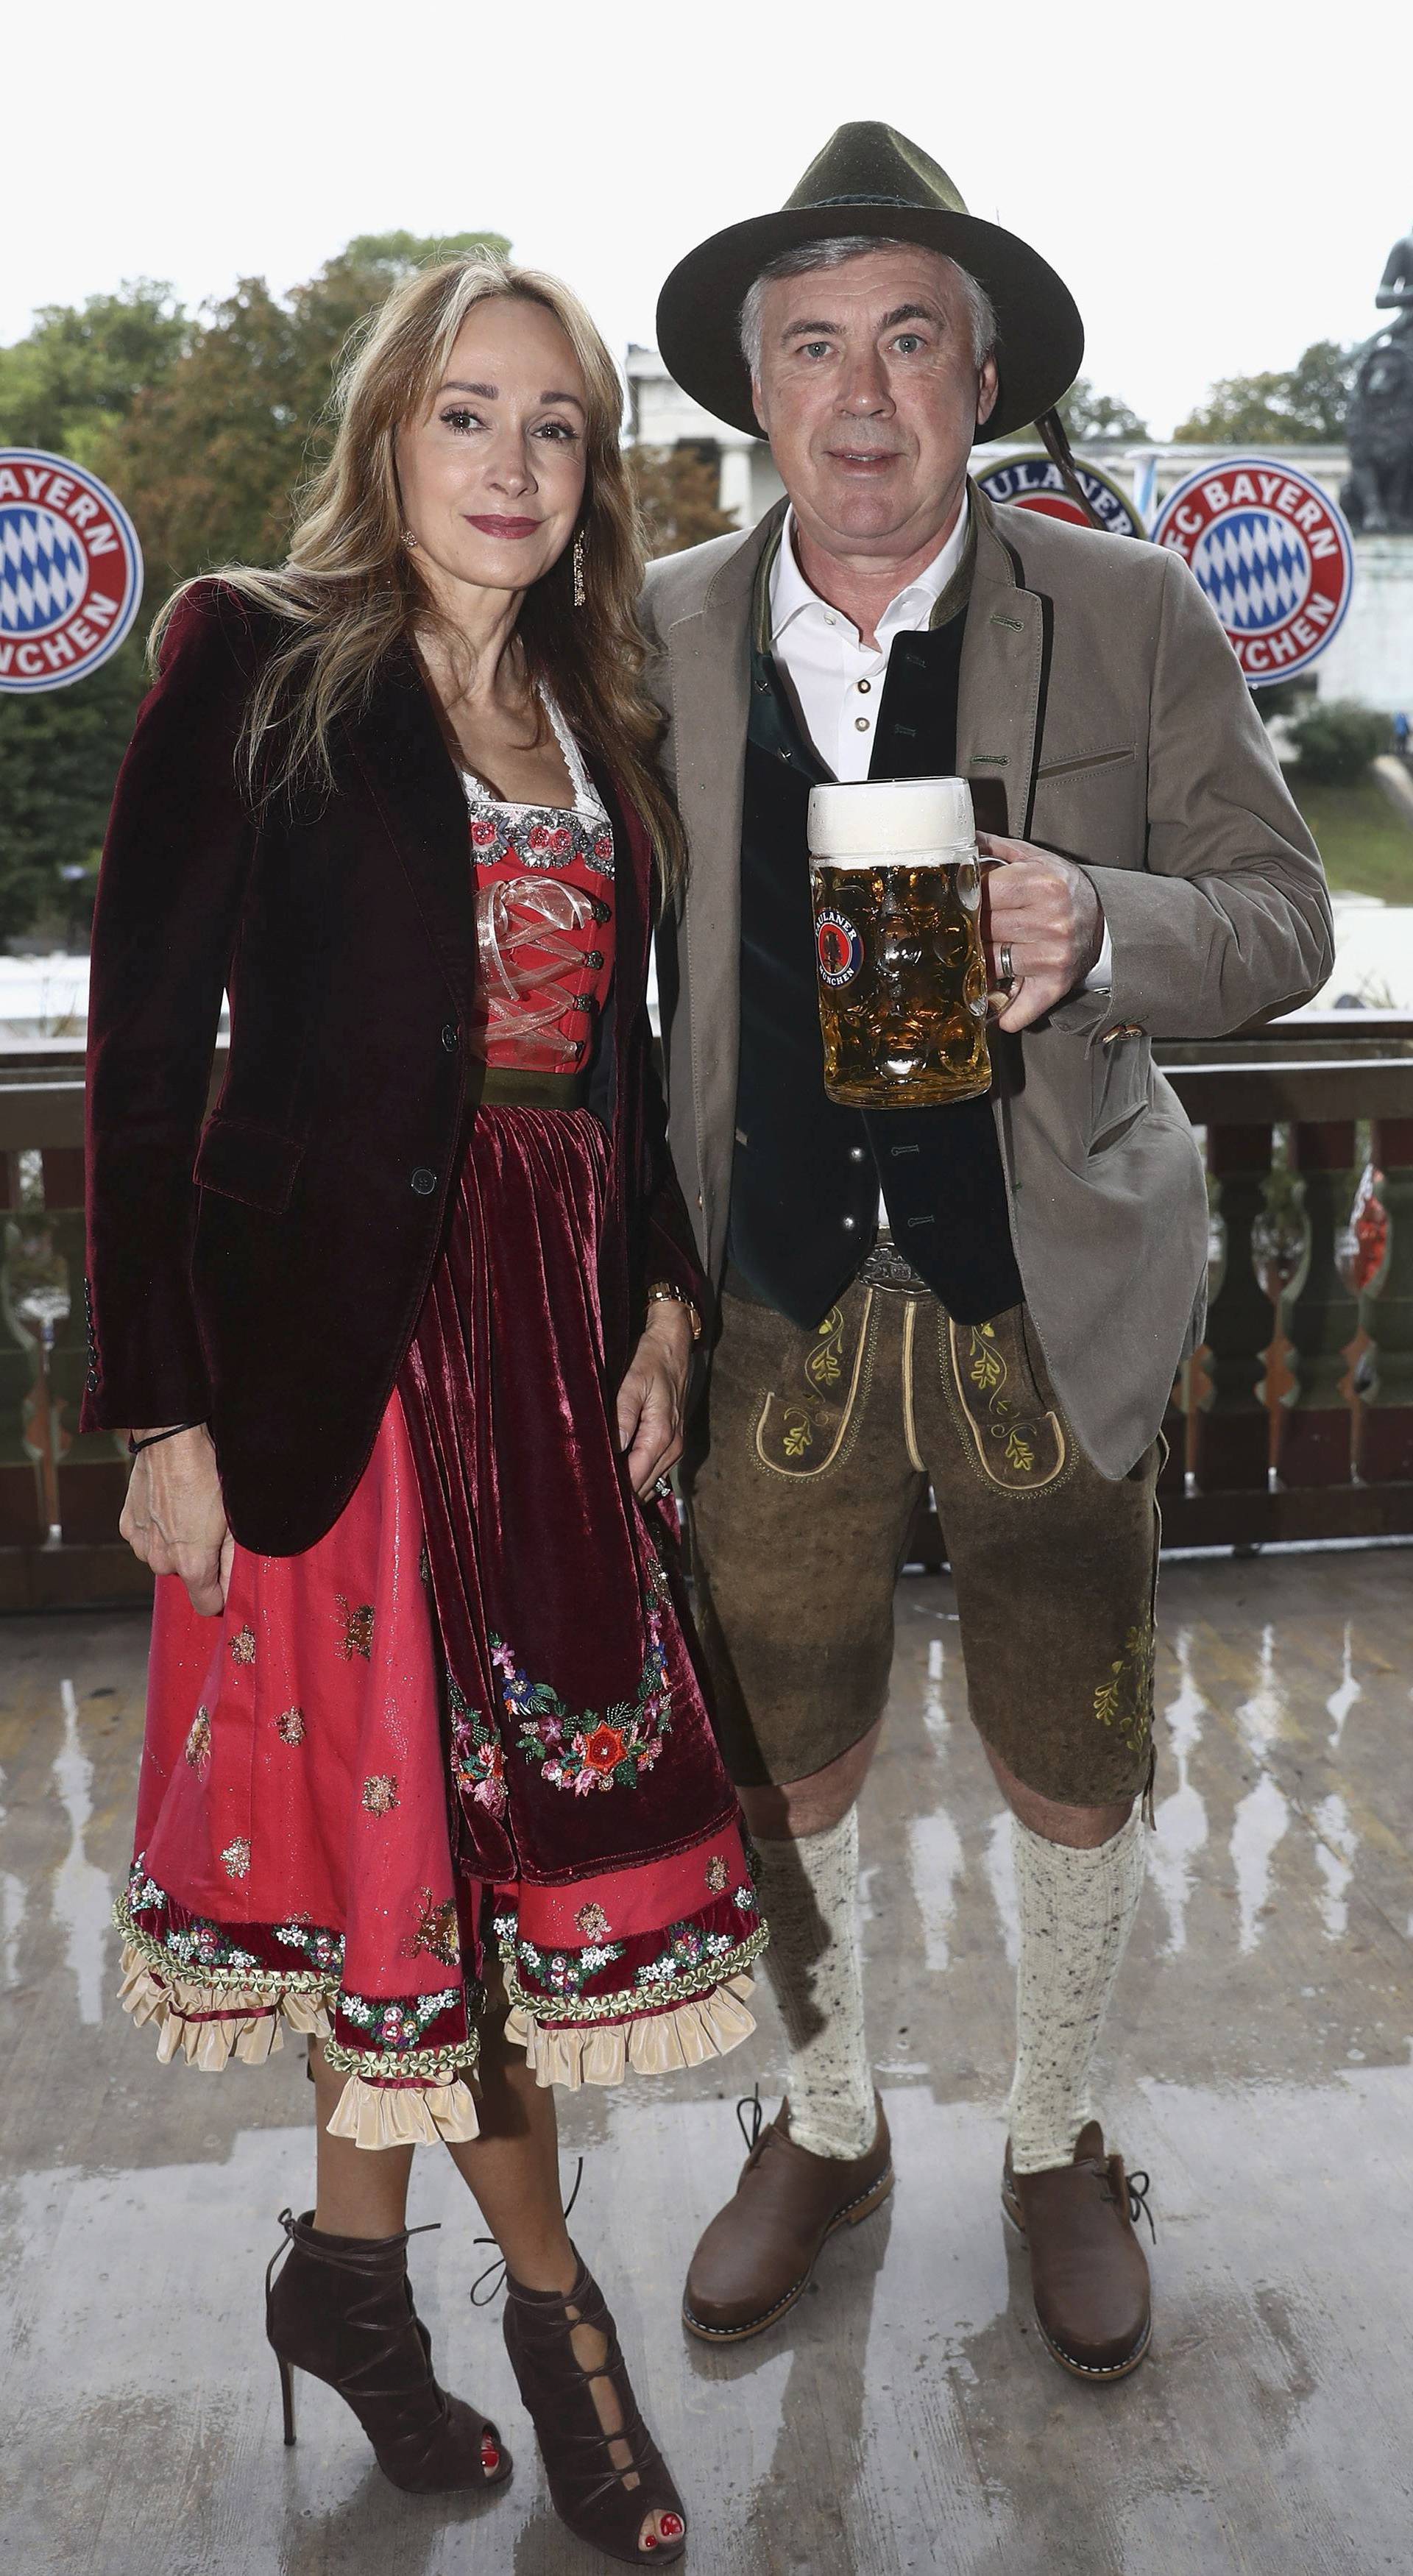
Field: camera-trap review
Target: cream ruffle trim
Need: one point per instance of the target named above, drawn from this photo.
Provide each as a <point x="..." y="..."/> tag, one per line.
<point x="404" y="2115"/>
<point x="658" y="2044"/>
<point x="209" y="2025"/>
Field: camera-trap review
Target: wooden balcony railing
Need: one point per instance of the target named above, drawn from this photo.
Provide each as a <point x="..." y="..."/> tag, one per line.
<point x="1294" y="1421"/>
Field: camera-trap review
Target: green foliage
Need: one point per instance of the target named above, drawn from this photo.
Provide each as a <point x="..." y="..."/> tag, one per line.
<point x="82" y="368"/>
<point x="676" y="490"/>
<point x="1301" y="405"/>
<point x="1337" y="741"/>
<point x="1087" y="414"/>
<point x="205" y="428"/>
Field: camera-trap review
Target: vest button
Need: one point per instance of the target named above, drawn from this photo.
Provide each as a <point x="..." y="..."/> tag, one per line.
<point x="856" y="1153"/>
<point x="450" y="1037"/>
<point x="423" y="1181"/>
<point x="850" y="1222"/>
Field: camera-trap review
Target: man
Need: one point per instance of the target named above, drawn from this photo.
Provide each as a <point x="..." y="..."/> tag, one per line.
<point x="1008" y="1325"/>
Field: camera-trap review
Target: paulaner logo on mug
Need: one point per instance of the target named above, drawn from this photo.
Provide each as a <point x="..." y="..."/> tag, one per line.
<point x="902" y="972"/>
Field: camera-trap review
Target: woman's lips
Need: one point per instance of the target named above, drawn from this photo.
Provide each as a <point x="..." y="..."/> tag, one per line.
<point x="503" y="527"/>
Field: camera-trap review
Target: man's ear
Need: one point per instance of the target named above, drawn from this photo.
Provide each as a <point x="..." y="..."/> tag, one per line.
<point x="988" y="385"/>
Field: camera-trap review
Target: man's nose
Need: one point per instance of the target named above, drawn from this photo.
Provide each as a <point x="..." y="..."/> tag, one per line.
<point x="864" y="388"/>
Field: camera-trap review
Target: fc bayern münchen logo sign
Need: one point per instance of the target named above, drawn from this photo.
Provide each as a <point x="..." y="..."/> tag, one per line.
<point x="70" y="571"/>
<point x="1034" y="483"/>
<point x="1273" y="554"/>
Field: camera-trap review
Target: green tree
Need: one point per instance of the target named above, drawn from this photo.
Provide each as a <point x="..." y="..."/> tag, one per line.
<point x="676" y="489"/>
<point x="1087" y="414"/>
<point x="1303" y="405"/>
<point x="81" y="368"/>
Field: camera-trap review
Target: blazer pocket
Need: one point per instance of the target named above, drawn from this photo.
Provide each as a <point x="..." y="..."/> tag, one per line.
<point x="1123" y="1089"/>
<point x="256" y="1165"/>
<point x="1083" y="761"/>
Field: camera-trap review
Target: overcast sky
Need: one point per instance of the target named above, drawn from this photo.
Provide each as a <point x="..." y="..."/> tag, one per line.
<point x="1218" y="187"/>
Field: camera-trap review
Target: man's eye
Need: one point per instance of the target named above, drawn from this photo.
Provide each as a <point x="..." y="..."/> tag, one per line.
<point x="459" y="419"/>
<point x="815" y="349"/>
<point x="907" y="342"/>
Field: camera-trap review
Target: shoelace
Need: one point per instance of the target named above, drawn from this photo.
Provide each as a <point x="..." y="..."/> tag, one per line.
<point x="749" y="2119"/>
<point x="1138" y="2190"/>
<point x="495" y="2271"/>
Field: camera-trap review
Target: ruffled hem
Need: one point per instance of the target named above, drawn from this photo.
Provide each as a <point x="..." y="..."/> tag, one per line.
<point x="664" y="2043"/>
<point x="209" y="2025"/>
<point x="405" y="2115"/>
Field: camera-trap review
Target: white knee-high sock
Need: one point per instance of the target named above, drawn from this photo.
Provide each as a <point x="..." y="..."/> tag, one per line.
<point x="1076" y="1913"/>
<point x="809" y="1896"/>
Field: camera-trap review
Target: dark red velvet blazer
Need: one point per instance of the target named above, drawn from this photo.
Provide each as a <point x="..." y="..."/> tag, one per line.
<point x="264" y="1272"/>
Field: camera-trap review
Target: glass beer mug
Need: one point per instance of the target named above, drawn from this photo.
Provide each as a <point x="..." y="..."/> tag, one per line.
<point x="897" y="920"/>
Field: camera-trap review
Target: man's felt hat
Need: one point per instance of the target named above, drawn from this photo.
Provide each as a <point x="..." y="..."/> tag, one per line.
<point x="870" y="179"/>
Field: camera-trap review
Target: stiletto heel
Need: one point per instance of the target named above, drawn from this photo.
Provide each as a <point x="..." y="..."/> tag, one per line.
<point x="341" y="2308"/>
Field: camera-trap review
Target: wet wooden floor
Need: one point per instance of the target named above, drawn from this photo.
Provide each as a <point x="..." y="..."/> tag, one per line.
<point x="904" y="2417"/>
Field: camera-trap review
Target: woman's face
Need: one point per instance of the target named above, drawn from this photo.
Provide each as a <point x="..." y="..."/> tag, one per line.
<point x="493" y="476"/>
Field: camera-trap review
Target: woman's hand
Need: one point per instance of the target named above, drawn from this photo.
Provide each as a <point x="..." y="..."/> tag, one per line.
<point x="652" y="1398"/>
<point x="174" y="1517"/>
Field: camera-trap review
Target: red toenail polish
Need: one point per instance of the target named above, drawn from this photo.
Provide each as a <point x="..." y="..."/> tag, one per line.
<point x="490" y="2456"/>
<point x="672" y="2526"/>
<point x="650" y="2540"/>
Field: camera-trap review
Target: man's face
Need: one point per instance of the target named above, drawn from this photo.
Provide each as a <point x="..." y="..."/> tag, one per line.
<point x="870" y="397"/>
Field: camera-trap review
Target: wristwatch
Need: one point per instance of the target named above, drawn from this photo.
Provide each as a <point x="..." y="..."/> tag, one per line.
<point x="665" y="1292"/>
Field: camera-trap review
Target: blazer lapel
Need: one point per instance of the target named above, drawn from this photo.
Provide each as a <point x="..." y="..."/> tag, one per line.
<point x="708" y="658"/>
<point x="1004" y="676"/>
<point x="412" y="779"/>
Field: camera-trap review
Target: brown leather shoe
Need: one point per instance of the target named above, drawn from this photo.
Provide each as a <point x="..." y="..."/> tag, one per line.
<point x="759" y="2252"/>
<point x="1088" y="2272"/>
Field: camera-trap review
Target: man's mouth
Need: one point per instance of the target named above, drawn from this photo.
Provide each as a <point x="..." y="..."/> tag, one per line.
<point x="864" y="460"/>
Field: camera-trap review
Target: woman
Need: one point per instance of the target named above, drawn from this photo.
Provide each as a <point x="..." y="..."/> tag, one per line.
<point x="427" y="1775"/>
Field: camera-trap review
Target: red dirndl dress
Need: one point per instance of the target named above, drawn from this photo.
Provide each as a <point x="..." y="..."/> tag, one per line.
<point x="468" y="1719"/>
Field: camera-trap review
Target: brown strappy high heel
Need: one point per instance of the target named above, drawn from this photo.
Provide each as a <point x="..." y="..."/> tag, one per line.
<point x="342" y="2310"/>
<point x="603" y="2504"/>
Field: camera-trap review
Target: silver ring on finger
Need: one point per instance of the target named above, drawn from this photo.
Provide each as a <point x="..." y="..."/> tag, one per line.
<point x="1006" y="964"/>
<point x="663" y="1489"/>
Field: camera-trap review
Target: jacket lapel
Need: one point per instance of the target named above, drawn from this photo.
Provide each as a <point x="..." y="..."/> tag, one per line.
<point x="399" y="748"/>
<point x="708" y="657"/>
<point x="1005" y="671"/>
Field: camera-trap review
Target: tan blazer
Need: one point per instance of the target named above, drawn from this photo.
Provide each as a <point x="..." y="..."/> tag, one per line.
<point x="1098" y="688"/>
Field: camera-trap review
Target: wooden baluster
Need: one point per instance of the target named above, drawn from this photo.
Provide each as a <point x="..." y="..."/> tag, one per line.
<point x="1320" y="1315"/>
<point x="1385" y="1440"/>
<point x="1231" y="1445"/>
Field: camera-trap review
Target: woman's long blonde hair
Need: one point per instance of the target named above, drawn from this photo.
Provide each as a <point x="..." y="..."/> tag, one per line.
<point x="350" y="591"/>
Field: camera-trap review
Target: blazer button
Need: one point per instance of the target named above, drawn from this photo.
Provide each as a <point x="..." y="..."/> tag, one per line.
<point x="423" y="1181"/>
<point x="451" y="1037"/>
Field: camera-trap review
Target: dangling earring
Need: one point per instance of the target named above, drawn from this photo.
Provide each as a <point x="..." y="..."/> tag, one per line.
<point x="579" y="570"/>
<point x="408" y="538"/>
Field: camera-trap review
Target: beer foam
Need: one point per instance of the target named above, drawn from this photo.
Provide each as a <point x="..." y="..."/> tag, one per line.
<point x="873" y="820"/>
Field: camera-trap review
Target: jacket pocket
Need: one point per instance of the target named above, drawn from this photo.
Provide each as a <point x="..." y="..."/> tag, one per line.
<point x="1085" y="760"/>
<point x="1123" y="1089"/>
<point x="256" y="1165"/>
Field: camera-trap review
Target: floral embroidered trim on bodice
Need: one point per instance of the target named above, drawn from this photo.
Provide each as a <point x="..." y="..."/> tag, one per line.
<point x="544" y="919"/>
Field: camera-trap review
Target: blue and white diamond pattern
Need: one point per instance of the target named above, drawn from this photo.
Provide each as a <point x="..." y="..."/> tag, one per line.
<point x="1255" y="569"/>
<point x="43" y="570"/>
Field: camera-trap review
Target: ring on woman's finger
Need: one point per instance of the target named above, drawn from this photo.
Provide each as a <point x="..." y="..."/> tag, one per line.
<point x="663" y="1488"/>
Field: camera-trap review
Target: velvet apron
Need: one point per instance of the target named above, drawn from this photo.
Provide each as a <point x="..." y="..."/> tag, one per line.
<point x="465" y="1725"/>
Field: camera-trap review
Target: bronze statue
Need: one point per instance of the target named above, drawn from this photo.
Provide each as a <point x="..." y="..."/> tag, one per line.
<point x="1378" y="497"/>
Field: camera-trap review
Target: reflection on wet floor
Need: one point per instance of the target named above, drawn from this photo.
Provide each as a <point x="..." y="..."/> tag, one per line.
<point x="904" y="2418"/>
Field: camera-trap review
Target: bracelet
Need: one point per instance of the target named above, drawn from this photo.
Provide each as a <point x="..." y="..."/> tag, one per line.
<point x="665" y="1292"/>
<point x="152" y="1438"/>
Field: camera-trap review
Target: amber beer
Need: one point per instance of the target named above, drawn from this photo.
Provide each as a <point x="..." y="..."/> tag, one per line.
<point x="897" y="914"/>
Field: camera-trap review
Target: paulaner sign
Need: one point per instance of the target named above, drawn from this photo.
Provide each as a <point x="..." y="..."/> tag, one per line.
<point x="70" y="571"/>
<point x="1273" y="554"/>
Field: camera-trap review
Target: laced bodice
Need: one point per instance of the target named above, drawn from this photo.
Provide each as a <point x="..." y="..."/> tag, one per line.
<point x="544" y="919"/>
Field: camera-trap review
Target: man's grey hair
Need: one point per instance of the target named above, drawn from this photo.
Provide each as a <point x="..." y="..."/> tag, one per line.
<point x="832" y="254"/>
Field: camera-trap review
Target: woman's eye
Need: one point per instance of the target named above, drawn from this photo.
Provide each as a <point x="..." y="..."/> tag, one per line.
<point x="458" y="418"/>
<point x="557" y="429"/>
